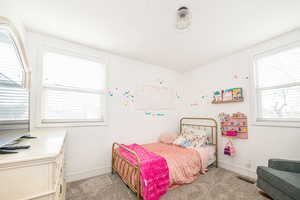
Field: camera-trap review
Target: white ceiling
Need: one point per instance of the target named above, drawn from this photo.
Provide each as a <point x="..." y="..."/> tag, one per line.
<point x="145" y="29"/>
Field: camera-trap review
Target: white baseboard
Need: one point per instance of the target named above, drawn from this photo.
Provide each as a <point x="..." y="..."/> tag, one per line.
<point x="238" y="169"/>
<point x="75" y="176"/>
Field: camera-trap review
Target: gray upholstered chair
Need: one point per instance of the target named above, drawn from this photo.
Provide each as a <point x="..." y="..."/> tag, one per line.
<point x="280" y="180"/>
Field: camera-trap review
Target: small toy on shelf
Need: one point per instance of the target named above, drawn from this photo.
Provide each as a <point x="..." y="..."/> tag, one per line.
<point x="237" y="93"/>
<point x="217" y="96"/>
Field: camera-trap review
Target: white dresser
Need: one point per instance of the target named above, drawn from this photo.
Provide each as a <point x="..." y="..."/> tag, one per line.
<point x="36" y="173"/>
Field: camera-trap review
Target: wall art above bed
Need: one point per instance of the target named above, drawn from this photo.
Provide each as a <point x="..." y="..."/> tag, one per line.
<point x="234" y="125"/>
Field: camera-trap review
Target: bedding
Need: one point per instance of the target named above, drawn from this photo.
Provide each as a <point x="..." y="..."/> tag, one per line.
<point x="198" y="130"/>
<point x="154" y="171"/>
<point x="188" y="140"/>
<point x="194" y="130"/>
<point x="209" y="151"/>
<point x="182" y="168"/>
<point x="181" y="141"/>
<point x="211" y="157"/>
<point x="198" y="140"/>
<point x="167" y="138"/>
<point x="184" y="163"/>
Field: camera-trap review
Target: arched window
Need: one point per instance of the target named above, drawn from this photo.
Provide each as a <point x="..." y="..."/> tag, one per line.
<point x="12" y="73"/>
<point x="14" y="92"/>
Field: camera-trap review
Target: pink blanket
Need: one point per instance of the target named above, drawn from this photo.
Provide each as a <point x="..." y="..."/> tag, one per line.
<point x="184" y="163"/>
<point x="154" y="171"/>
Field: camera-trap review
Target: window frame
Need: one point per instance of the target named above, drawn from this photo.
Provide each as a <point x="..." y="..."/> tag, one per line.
<point x="255" y="98"/>
<point x="64" y="50"/>
<point x="21" y="55"/>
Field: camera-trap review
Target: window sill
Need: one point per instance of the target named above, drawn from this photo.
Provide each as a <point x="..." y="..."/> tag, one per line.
<point x="73" y="124"/>
<point x="286" y="124"/>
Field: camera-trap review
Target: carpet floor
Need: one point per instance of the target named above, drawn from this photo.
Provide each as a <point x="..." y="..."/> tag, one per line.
<point x="217" y="184"/>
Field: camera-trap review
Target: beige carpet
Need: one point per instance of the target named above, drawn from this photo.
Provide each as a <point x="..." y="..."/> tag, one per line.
<point x="217" y="184"/>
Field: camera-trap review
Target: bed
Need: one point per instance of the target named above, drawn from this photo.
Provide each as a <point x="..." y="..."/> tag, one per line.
<point x="182" y="162"/>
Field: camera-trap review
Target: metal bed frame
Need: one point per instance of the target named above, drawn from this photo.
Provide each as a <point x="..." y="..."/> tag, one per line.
<point x="136" y="186"/>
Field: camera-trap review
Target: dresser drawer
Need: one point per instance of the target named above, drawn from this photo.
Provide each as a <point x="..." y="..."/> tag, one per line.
<point x="24" y="182"/>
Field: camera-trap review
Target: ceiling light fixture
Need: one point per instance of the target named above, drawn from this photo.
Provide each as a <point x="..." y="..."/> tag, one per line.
<point x="183" y="18"/>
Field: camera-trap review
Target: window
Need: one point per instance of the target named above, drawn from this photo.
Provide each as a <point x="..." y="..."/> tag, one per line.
<point x="14" y="99"/>
<point x="277" y="85"/>
<point x="73" y="89"/>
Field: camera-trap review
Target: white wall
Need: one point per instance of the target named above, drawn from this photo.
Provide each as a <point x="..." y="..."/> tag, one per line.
<point x="264" y="142"/>
<point x="88" y="149"/>
<point x="7" y="11"/>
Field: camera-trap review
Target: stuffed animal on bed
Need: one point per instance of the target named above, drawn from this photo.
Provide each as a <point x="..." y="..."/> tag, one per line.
<point x="180" y="140"/>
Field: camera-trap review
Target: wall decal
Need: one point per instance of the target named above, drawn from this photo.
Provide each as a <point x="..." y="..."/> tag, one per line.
<point x="177" y="95"/>
<point x="148" y="113"/>
<point x="152" y="114"/>
<point x="160" y="81"/>
<point x="110" y="93"/>
<point x="126" y="92"/>
<point x="123" y="94"/>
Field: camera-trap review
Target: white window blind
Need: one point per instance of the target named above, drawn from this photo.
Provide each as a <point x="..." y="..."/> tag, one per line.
<point x="73" y="89"/>
<point x="13" y="95"/>
<point x="278" y="85"/>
